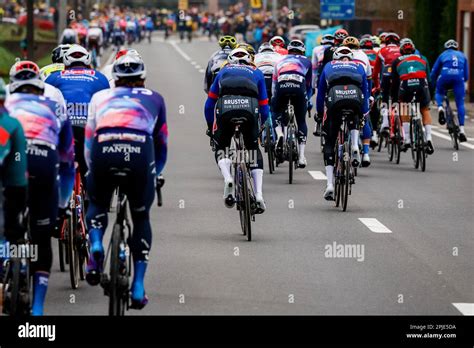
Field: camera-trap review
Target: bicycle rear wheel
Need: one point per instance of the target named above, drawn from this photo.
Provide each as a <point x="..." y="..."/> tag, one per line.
<point x="421" y="151"/>
<point x="72" y="252"/>
<point x="414" y="154"/>
<point x="61" y="255"/>
<point x="269" y="149"/>
<point x="290" y="154"/>
<point x="247" y="203"/>
<point x="345" y="176"/>
<point x="115" y="290"/>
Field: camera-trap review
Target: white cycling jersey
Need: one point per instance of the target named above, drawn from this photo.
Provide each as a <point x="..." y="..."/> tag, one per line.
<point x="361" y="58"/>
<point x="95" y="34"/>
<point x="69" y="36"/>
<point x="266" y="61"/>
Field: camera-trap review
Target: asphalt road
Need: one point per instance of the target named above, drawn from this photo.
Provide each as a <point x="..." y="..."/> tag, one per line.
<point x="201" y="263"/>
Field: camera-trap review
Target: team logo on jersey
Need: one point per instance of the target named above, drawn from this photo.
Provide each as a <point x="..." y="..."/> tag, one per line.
<point x="78" y="72"/>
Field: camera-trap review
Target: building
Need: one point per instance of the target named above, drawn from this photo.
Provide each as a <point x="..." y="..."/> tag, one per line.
<point x="465" y="37"/>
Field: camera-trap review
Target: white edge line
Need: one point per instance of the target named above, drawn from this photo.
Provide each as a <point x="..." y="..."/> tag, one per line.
<point x="317" y="175"/>
<point x="446" y="137"/>
<point x="179" y="50"/>
<point x="465" y="308"/>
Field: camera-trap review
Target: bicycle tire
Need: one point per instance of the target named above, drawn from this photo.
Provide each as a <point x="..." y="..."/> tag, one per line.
<point x="15" y="266"/>
<point x="421" y="147"/>
<point x="240" y="199"/>
<point x="337" y="189"/>
<point x="290" y="154"/>
<point x="379" y="147"/>
<point x="115" y="295"/>
<point x="268" y="147"/>
<point x="390" y="149"/>
<point x="61" y="256"/>
<point x="398" y="140"/>
<point x="346" y="176"/>
<point x="246" y="196"/>
<point x="414" y="154"/>
<point x="72" y="252"/>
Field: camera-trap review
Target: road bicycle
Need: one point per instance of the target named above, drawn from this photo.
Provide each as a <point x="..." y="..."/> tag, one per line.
<point x="290" y="147"/>
<point x="417" y="138"/>
<point x="395" y="140"/>
<point x="269" y="146"/>
<point x="452" y="123"/>
<point x="17" y="284"/>
<point x="72" y="242"/>
<point x="343" y="170"/>
<point x="244" y="191"/>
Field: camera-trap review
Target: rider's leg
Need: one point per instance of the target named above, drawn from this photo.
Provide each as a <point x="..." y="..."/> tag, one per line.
<point x="330" y="126"/>
<point x="385" y="100"/>
<point x="43" y="205"/>
<point x="222" y="137"/>
<point x="439" y="96"/>
<point x="459" y="92"/>
<point x="366" y="136"/>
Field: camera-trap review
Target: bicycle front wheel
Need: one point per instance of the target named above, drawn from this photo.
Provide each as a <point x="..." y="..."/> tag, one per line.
<point x="246" y="202"/>
<point x="421" y="151"/>
<point x="290" y="154"/>
<point x="345" y="176"/>
<point x="71" y="251"/>
<point x="116" y="305"/>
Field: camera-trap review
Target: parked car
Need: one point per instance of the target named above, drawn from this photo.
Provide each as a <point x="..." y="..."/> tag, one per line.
<point x="299" y="32"/>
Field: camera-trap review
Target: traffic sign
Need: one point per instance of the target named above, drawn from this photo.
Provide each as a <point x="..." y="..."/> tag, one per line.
<point x="337" y="9"/>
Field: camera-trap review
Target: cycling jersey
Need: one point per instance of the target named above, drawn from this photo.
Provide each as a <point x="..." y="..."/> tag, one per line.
<point x="340" y="73"/>
<point x="216" y="62"/>
<point x="45" y="123"/>
<point x="78" y="85"/>
<point x="383" y="62"/>
<point x="317" y="59"/>
<point x="48" y="69"/>
<point x="294" y="65"/>
<point x="361" y="58"/>
<point x="94" y="35"/>
<point x="51" y="92"/>
<point x="372" y="55"/>
<point x="123" y="108"/>
<point x="69" y="36"/>
<point x="244" y="75"/>
<point x="451" y="63"/>
<point x="266" y="61"/>
<point x="12" y="151"/>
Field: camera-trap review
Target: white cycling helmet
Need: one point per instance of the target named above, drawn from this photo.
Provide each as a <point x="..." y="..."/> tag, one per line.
<point x="296" y="45"/>
<point x="451" y="44"/>
<point x="343" y="52"/>
<point x="129" y="65"/>
<point x="77" y="54"/>
<point x="239" y="56"/>
<point x="25" y="73"/>
<point x="266" y="47"/>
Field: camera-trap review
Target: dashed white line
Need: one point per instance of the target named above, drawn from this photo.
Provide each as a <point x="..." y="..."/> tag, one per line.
<point x="375" y="225"/>
<point x="465" y="308"/>
<point x="179" y="50"/>
<point x="317" y="175"/>
<point x="202" y="71"/>
<point x="193" y="63"/>
<point x="198" y="66"/>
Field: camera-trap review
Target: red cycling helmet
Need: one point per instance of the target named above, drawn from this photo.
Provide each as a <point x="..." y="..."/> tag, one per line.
<point x="340" y="35"/>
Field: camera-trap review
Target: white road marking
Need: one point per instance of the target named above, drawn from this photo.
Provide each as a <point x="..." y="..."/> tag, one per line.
<point x="447" y="137"/>
<point x="317" y="175"/>
<point x="193" y="63"/>
<point x="202" y="71"/>
<point x="198" y="66"/>
<point x="465" y="308"/>
<point x="179" y="50"/>
<point x="375" y="225"/>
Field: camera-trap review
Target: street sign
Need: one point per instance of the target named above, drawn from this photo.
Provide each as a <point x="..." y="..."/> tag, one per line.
<point x="183" y="4"/>
<point x="337" y="9"/>
<point x="256" y="3"/>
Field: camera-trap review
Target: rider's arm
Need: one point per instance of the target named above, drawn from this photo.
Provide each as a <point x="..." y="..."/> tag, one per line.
<point x="263" y="97"/>
<point x="321" y="93"/>
<point x="211" y="101"/>
<point x="376" y="72"/>
<point x="395" y="85"/>
<point x="66" y="162"/>
<point x="90" y="130"/>
<point x="160" y="139"/>
<point x="15" y="168"/>
<point x="309" y="82"/>
<point x="436" y="69"/>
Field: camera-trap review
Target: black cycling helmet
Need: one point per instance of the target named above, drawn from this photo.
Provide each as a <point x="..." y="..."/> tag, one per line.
<point x="58" y="53"/>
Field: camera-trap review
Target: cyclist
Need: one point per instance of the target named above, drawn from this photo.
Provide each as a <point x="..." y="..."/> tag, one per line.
<point x="13" y="175"/>
<point x="279" y="44"/>
<point x="239" y="80"/>
<point x="118" y="36"/>
<point x="265" y="60"/>
<point x="376" y="41"/>
<point x="339" y="37"/>
<point x="94" y="40"/>
<point x="292" y="78"/>
<point x="78" y="83"/>
<point x="383" y="72"/>
<point x="361" y="58"/>
<point x="409" y="76"/>
<point x="50" y="154"/>
<point x="57" y="58"/>
<point x="327" y="41"/>
<point x="126" y="130"/>
<point x="107" y="70"/>
<point x="69" y="36"/>
<point x="218" y="58"/>
<point x="451" y="71"/>
<point x="343" y="84"/>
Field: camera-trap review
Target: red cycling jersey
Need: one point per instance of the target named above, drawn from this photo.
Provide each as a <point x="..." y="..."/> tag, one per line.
<point x="383" y="62"/>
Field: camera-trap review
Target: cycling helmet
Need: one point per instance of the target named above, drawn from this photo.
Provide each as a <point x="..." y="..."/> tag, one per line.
<point x="125" y="51"/>
<point x="239" y="56"/>
<point x="249" y="48"/>
<point x="343" y="52"/>
<point x="351" y="42"/>
<point x="376" y="41"/>
<point x="3" y="90"/>
<point x="296" y="46"/>
<point x="129" y="65"/>
<point x="407" y="46"/>
<point x="58" y="53"/>
<point x="327" y="39"/>
<point x="366" y="43"/>
<point x="392" y="38"/>
<point x="382" y="37"/>
<point x="24" y="73"/>
<point x="277" y="41"/>
<point x="266" y="47"/>
<point x="365" y="36"/>
<point x="451" y="44"/>
<point x="340" y="35"/>
<point x="227" y="41"/>
<point x="77" y="54"/>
